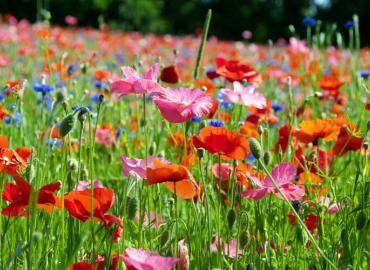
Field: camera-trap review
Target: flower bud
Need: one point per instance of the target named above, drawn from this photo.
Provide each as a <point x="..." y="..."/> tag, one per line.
<point x="72" y="165"/>
<point x="59" y="97"/>
<point x="131" y="207"/>
<point x="267" y="158"/>
<point x="255" y="147"/>
<point x="243" y="239"/>
<point x="260" y="129"/>
<point x="82" y="114"/>
<point x="37" y="236"/>
<point x="200" y="153"/>
<point x="231" y="217"/>
<point x="66" y="125"/>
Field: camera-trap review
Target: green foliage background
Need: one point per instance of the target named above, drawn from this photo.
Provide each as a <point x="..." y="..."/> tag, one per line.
<point x="267" y="19"/>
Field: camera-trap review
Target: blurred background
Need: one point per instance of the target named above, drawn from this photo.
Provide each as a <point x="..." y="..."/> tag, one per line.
<point x="265" y="19"/>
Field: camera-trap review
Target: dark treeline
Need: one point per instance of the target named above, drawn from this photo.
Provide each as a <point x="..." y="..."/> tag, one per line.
<point x="266" y="19"/>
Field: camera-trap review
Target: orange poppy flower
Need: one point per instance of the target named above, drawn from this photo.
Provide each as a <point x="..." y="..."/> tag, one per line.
<point x="19" y="196"/>
<point x="313" y="183"/>
<point x="241" y="172"/>
<point x="347" y="140"/>
<point x="312" y="130"/>
<point x="174" y="177"/>
<point x="176" y="139"/>
<point x="330" y="84"/>
<point x="219" y="140"/>
<point x="78" y="204"/>
<point x="249" y="129"/>
<point x="210" y="87"/>
<point x="101" y="75"/>
<point x="12" y="161"/>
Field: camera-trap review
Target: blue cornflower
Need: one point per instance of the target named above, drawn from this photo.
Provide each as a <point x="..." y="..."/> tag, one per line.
<point x="196" y="119"/>
<point x="99" y="84"/>
<point x="71" y="69"/>
<point x="43" y="88"/>
<point x="349" y="24"/>
<point x="251" y="158"/>
<point x="277" y="107"/>
<point x="308" y="21"/>
<point x="121" y="58"/>
<point x="7" y="120"/>
<point x="227" y="106"/>
<point x="119" y="132"/>
<point x="216" y="123"/>
<point x="364" y="74"/>
<point x="95" y="98"/>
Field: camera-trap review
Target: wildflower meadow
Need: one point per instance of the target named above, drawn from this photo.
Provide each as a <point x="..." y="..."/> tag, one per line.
<point x="123" y="150"/>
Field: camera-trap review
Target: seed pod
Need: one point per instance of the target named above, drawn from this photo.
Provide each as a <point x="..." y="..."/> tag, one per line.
<point x="82" y="114"/>
<point x="131" y="207"/>
<point x="267" y="158"/>
<point x="165" y="236"/>
<point x="66" y="125"/>
<point x="231" y="217"/>
<point x="260" y="129"/>
<point x="255" y="147"/>
<point x="361" y="220"/>
<point x="243" y="239"/>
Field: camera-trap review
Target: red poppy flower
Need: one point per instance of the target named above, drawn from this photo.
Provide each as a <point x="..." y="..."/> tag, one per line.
<point x="19" y="197"/>
<point x="329" y="83"/>
<point x="169" y="75"/>
<point x="347" y="140"/>
<point x="312" y="130"/>
<point x="219" y="140"/>
<point x="311" y="221"/>
<point x="78" y="204"/>
<point x="284" y="132"/>
<point x="82" y="266"/>
<point x="213" y="109"/>
<point x="234" y="71"/>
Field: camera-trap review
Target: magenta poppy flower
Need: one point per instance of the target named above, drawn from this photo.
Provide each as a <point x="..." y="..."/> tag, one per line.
<point x="134" y="84"/>
<point x="244" y="95"/>
<point x="105" y="137"/>
<point x="179" y="105"/>
<point x="283" y="174"/>
<point x="226" y="171"/>
<point x="138" y="165"/>
<point x="229" y="249"/>
<point x="140" y="259"/>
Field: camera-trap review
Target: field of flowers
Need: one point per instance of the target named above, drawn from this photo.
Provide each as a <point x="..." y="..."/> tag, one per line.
<point x="131" y="151"/>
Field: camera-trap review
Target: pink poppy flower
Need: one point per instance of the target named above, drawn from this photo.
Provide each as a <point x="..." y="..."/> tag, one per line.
<point x="138" y="165"/>
<point x="86" y="184"/>
<point x="179" y="105"/>
<point x="333" y="208"/>
<point x="155" y="220"/>
<point x="70" y="20"/>
<point x="226" y="171"/>
<point x="134" y="84"/>
<point x="244" y="95"/>
<point x="105" y="137"/>
<point x="229" y="248"/>
<point x="283" y="174"/>
<point x="140" y="259"/>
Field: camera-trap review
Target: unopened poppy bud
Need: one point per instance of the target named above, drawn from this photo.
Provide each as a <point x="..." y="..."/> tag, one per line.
<point x="260" y="130"/>
<point x="72" y="165"/>
<point x="249" y="266"/>
<point x="165" y="236"/>
<point x="361" y="220"/>
<point x="243" y="239"/>
<point x="59" y="97"/>
<point x="131" y="207"/>
<point x="366" y="145"/>
<point x="344" y="235"/>
<point x="152" y="149"/>
<point x="255" y="147"/>
<point x="231" y="217"/>
<point x="66" y="125"/>
<point x="200" y="152"/>
<point x="267" y="158"/>
<point x="37" y="236"/>
<point x="101" y="99"/>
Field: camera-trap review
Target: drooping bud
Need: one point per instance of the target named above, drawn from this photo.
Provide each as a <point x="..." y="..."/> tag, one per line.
<point x="131" y="207"/>
<point x="66" y="125"/>
<point x="267" y="158"/>
<point x="231" y="217"/>
<point x="255" y="147"/>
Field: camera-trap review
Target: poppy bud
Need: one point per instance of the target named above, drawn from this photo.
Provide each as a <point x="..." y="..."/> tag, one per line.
<point x="66" y="125"/>
<point x="231" y="217"/>
<point x="200" y="152"/>
<point x="202" y="124"/>
<point x="152" y="149"/>
<point x="37" y="236"/>
<point x="131" y="207"/>
<point x="249" y="266"/>
<point x="59" y="97"/>
<point x="169" y="75"/>
<point x="361" y="220"/>
<point x="366" y="146"/>
<point x="101" y="99"/>
<point x="255" y="147"/>
<point x="260" y="130"/>
<point x="165" y="236"/>
<point x="72" y="165"/>
<point x="344" y="235"/>
<point x="368" y="126"/>
<point x="243" y="239"/>
<point x="267" y="158"/>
